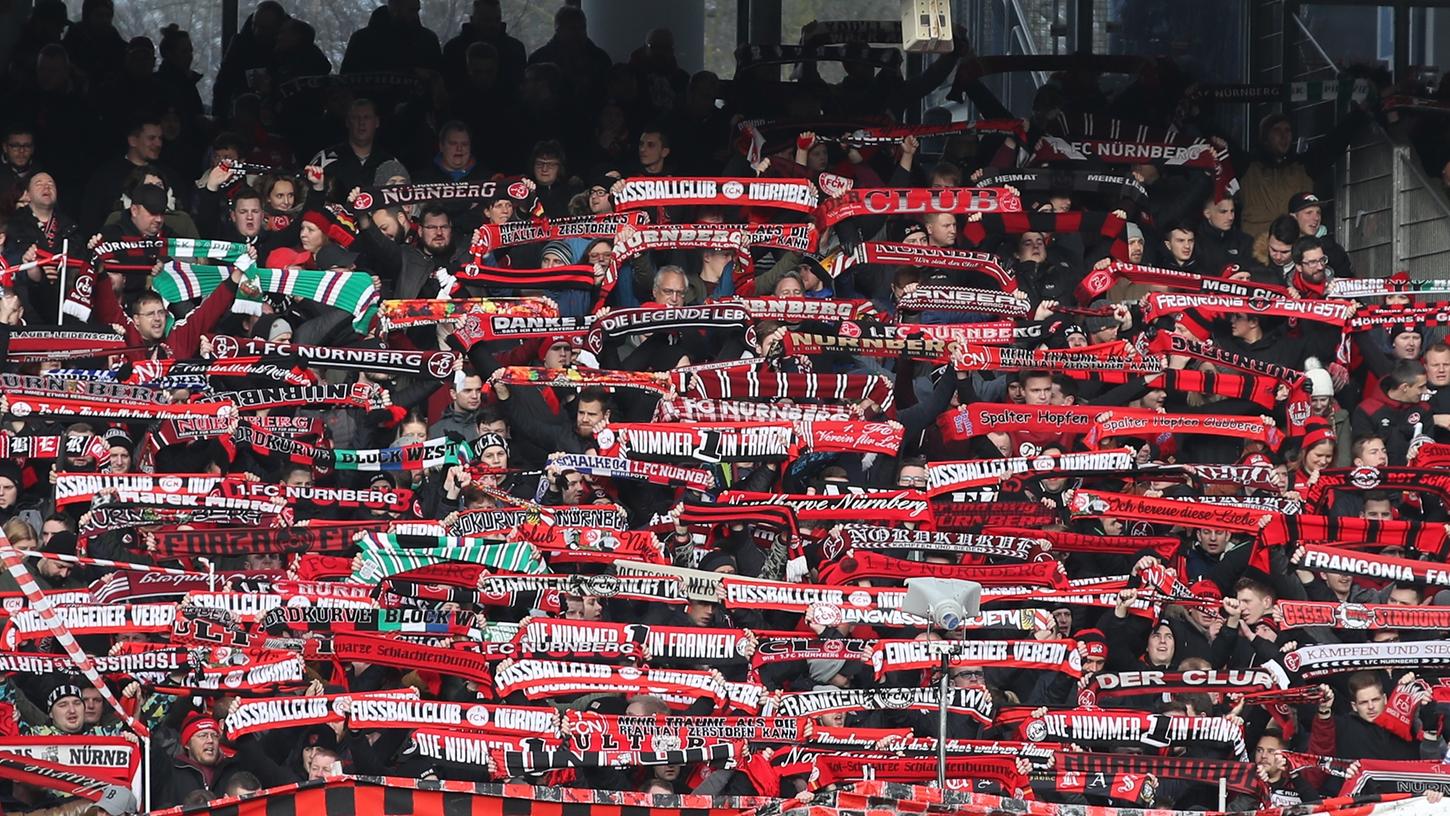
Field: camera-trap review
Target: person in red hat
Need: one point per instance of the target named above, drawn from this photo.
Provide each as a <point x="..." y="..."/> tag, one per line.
<point x="198" y="764"/>
<point x="1196" y="626"/>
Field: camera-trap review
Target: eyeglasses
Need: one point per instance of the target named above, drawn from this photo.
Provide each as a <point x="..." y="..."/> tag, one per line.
<point x="20" y="145"/>
<point x="152" y="313"/>
<point x="911" y="481"/>
<point x="672" y="292"/>
<point x="1315" y="261"/>
<point x="436" y="227"/>
<point x="967" y="675"/>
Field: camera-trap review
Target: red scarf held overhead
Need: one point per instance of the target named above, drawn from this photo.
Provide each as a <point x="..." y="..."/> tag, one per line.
<point x="1098" y="503"/>
<point x="857" y="564"/>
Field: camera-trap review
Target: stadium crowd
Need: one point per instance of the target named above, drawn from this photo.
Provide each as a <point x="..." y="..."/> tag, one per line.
<point x="459" y="412"/>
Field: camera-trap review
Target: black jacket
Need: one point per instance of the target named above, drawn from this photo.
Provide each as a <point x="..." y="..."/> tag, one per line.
<point x="1216" y="248"/>
<point x="387" y="45"/>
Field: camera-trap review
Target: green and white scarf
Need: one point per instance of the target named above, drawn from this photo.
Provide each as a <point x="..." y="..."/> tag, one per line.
<point x="431" y="453"/>
<point x="381" y="556"/>
<point x="353" y="292"/>
<point x="234" y="254"/>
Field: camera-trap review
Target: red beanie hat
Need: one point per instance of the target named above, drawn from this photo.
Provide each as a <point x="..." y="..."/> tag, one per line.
<point x="548" y="343"/>
<point x="1092" y="643"/>
<point x="197" y="723"/>
<point x="337" y="224"/>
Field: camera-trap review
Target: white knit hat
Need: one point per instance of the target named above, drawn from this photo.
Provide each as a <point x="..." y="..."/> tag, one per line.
<point x="1320" y="383"/>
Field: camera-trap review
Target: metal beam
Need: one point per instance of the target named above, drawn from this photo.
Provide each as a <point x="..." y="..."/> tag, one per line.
<point x="742" y="22"/>
<point x="1416" y="3"/>
<point x="1288" y="40"/>
<point x="765" y="22"/>
<point x="229" y="23"/>
<point x="1402" y="39"/>
<point x="1083" y="27"/>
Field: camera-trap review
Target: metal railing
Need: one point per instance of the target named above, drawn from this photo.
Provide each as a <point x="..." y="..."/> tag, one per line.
<point x="1392" y="216"/>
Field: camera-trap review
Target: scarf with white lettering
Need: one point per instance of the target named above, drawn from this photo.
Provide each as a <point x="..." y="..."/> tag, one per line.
<point x="437" y="365"/>
<point x="947" y="477"/>
<point x="54" y="447"/>
<point x="689" y="409"/>
<point x="855" y="565"/>
<point x="1163" y="304"/>
<point x="656" y="589"/>
<point x="1117" y="357"/>
<point x="1239" y="776"/>
<point x="354" y="395"/>
<point x="939" y="298"/>
<point x="1362" y="617"/>
<point x="1043" y="181"/>
<point x="1422" y="478"/>
<point x="863" y="537"/>
<point x="769" y="385"/>
<point x="1099" y="281"/>
<point x="1095" y="138"/>
<point x="1424" y="314"/>
<point x="52" y="385"/>
<point x="414" y="456"/>
<point x="1130" y="728"/>
<point x="796" y="195"/>
<point x="613" y="467"/>
<point x="1030" y="655"/>
<point x="693" y="443"/>
<point x="542" y="230"/>
<point x="930" y="257"/>
<point x="796" y="309"/>
<point x="48" y="406"/>
<point x="540" y="679"/>
<point x="251" y="715"/>
<point x="36" y="343"/>
<point x="397" y="195"/>
<point x="899" y="506"/>
<point x="1147" y="424"/>
<point x="1132" y="683"/>
<point x="1311" y="662"/>
<point x="538" y="760"/>
<point x="879" y="201"/>
<point x="1099" y="503"/>
<point x="1374" y="565"/>
<point x="693" y="644"/>
<point x="973" y="702"/>
<point x="624" y="323"/>
<point x="800" y="344"/>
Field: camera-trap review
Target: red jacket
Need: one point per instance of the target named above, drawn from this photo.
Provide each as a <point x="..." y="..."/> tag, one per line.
<point x="184" y="341"/>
